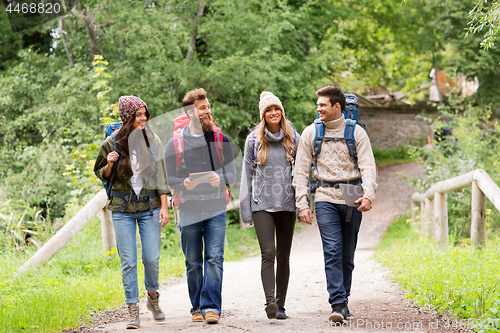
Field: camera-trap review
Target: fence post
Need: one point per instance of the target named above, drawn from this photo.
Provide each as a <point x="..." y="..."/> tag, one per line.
<point x="422" y="218"/>
<point x="413" y="212"/>
<point x="441" y="218"/>
<point x="478" y="223"/>
<point x="108" y="233"/>
<point x="428" y="218"/>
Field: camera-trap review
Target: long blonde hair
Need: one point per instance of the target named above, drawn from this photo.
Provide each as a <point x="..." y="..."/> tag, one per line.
<point x="263" y="143"/>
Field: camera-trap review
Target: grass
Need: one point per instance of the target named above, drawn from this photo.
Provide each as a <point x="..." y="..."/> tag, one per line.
<point x="80" y="280"/>
<point x="460" y="281"/>
<point x="388" y="157"/>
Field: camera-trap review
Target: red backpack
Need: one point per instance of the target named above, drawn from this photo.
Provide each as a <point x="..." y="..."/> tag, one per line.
<point x="179" y="123"/>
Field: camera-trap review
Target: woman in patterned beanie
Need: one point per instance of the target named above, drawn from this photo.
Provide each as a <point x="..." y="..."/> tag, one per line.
<point x="131" y="161"/>
<point x="267" y="197"/>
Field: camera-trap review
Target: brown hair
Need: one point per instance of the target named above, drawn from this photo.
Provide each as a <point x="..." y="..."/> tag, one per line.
<point x="143" y="153"/>
<point x="334" y="94"/>
<point x="288" y="139"/>
<point x="192" y="96"/>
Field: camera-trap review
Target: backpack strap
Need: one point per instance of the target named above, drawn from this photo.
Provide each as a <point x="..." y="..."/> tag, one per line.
<point x="351" y="143"/>
<point x="318" y="141"/>
<point x="219" y="140"/>
<point x="113" y="169"/>
<point x="179" y="153"/>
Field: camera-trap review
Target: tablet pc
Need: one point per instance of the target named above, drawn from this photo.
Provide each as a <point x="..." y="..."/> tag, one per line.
<point x="202" y="177"/>
<point x="351" y="193"/>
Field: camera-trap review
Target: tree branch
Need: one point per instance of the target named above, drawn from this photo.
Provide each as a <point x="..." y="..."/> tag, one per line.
<point x="65" y="39"/>
<point x="192" y="42"/>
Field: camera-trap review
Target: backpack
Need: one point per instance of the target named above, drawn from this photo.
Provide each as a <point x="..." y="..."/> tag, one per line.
<point x="351" y="114"/>
<point x="255" y="146"/>
<point x="180" y="122"/>
<point x="111" y="128"/>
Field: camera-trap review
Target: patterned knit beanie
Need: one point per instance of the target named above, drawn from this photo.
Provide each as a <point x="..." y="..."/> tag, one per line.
<point x="127" y="105"/>
<point x="266" y="100"/>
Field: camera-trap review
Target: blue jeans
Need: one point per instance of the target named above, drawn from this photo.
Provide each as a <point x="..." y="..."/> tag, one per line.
<point x="204" y="276"/>
<point x="339" y="240"/>
<point x="125" y="225"/>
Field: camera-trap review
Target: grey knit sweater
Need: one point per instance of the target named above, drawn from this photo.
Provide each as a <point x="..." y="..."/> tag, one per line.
<point x="267" y="186"/>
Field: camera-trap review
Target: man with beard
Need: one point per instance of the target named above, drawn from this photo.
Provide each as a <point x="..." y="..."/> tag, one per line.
<point x="202" y="207"/>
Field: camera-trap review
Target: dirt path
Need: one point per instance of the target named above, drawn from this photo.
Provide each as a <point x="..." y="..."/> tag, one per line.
<point x="376" y="302"/>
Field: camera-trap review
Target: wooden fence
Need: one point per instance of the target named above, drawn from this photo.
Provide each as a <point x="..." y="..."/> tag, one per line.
<point x="97" y="205"/>
<point x="434" y="208"/>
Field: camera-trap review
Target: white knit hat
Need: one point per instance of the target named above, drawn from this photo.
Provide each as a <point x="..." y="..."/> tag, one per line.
<point x="266" y="100"/>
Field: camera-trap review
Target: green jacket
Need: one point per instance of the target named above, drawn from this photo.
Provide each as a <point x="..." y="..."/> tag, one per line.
<point x="152" y="182"/>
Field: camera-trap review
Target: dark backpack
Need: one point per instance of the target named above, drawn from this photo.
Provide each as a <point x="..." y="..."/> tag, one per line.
<point x="351" y="114"/>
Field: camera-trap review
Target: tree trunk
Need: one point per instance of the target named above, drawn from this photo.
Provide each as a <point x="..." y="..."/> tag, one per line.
<point x="65" y="39"/>
<point x="91" y="32"/>
<point x="192" y="41"/>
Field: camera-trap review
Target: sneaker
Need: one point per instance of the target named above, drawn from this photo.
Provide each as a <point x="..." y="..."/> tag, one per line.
<point x="271" y="310"/>
<point x="133" y="315"/>
<point x="152" y="305"/>
<point x="211" y="317"/>
<point x="281" y="313"/>
<point x="338" y="313"/>
<point x="197" y="317"/>
<point x="349" y="315"/>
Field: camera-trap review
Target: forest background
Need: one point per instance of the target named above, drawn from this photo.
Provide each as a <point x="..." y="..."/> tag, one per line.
<point x="52" y="121"/>
<point x="60" y="82"/>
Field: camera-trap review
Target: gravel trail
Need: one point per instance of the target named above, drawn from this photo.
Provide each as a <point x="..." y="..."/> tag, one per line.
<point x="377" y="303"/>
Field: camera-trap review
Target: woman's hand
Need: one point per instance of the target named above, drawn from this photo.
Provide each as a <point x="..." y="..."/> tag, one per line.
<point x="111" y="158"/>
<point x="164" y="216"/>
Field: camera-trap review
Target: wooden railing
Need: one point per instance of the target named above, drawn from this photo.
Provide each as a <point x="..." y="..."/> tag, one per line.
<point x="434" y="208"/>
<point x="97" y="205"/>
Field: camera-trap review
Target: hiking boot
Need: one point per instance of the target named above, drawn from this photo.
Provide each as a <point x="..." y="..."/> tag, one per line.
<point x="281" y="313"/>
<point x="153" y="306"/>
<point x="197" y="317"/>
<point x="133" y="316"/>
<point x="271" y="310"/>
<point x="211" y="317"/>
<point x="348" y="315"/>
<point x="338" y="313"/>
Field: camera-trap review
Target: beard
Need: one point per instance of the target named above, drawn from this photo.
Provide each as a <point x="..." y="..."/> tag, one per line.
<point x="207" y="124"/>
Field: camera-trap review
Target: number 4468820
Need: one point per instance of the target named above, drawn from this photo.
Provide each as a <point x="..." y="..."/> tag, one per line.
<point x="34" y="8"/>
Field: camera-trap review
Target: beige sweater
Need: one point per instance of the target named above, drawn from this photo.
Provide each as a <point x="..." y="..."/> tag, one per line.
<point x="334" y="164"/>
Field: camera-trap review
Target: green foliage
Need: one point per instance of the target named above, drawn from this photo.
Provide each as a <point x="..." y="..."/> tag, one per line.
<point x="53" y="122"/>
<point x="402" y="230"/>
<point x="485" y="18"/>
<point x="21" y="225"/>
<point x="459" y="281"/>
<point x="386" y="157"/>
<point x="473" y="145"/>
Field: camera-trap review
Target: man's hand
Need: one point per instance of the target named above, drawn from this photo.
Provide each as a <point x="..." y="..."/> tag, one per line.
<point x="190" y="184"/>
<point x="306" y="216"/>
<point x="164" y="216"/>
<point x="365" y="206"/>
<point x="214" y="180"/>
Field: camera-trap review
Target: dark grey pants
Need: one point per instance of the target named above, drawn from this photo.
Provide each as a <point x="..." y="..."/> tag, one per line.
<point x="265" y="225"/>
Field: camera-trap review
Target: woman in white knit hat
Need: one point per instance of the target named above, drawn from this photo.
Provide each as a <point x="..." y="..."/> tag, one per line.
<point x="267" y="197"/>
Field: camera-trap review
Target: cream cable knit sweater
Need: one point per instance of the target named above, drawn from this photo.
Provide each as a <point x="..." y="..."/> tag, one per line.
<point x="334" y="164"/>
